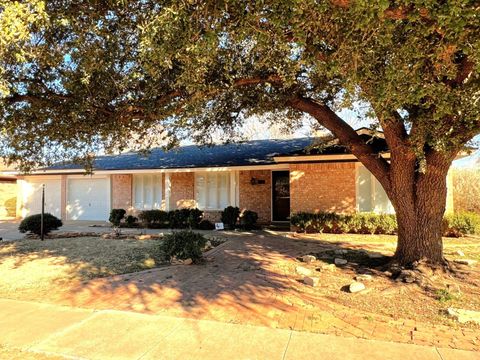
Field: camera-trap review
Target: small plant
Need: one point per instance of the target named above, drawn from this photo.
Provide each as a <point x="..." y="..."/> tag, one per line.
<point x="184" y="244"/>
<point x="32" y="224"/>
<point x="206" y="225"/>
<point x="230" y="216"/>
<point x="248" y="219"/>
<point x="116" y="216"/>
<point x="443" y="295"/>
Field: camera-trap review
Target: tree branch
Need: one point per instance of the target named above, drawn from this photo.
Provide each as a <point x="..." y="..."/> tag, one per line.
<point x="377" y="165"/>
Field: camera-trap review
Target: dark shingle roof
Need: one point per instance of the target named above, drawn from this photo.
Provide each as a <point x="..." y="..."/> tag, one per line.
<point x="257" y="152"/>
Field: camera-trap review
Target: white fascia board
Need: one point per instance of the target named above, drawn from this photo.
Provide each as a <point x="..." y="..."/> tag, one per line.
<point x="308" y="158"/>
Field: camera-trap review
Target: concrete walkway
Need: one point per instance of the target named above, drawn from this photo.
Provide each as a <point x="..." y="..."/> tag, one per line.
<point x="89" y="334"/>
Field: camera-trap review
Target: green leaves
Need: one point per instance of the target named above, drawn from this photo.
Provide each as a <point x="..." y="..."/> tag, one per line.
<point x="95" y="75"/>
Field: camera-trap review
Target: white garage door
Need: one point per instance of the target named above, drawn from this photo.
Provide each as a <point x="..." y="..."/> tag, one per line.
<point x="88" y="199"/>
<point x="32" y="197"/>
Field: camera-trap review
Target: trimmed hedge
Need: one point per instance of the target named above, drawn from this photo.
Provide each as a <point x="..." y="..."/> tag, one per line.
<point x="230" y="216"/>
<point x="32" y="224"/>
<point x="248" y="220"/>
<point x="175" y="219"/>
<point x="464" y="223"/>
<point x="361" y="223"/>
<point x="371" y="223"/>
<point x="116" y="216"/>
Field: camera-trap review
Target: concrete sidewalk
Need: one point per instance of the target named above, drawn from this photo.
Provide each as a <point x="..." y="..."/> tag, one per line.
<point x="87" y="334"/>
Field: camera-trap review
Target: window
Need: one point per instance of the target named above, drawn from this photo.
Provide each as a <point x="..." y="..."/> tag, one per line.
<point x="371" y="197"/>
<point x="213" y="190"/>
<point x="147" y="191"/>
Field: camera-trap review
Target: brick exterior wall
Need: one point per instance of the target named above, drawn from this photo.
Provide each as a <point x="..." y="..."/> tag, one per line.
<point x="213" y="216"/>
<point x="182" y="190"/>
<point x="323" y="187"/>
<point x="258" y="197"/>
<point x="121" y="191"/>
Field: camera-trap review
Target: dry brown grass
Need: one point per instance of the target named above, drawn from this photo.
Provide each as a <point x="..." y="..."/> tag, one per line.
<point x="466" y="190"/>
<point x="33" y="265"/>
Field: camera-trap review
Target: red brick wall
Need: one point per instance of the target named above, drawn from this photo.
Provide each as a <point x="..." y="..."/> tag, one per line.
<point x="323" y="187"/>
<point x="182" y="190"/>
<point x="258" y="197"/>
<point x="121" y="191"/>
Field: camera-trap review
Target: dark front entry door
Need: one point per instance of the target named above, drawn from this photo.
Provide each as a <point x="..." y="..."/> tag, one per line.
<point x="280" y="195"/>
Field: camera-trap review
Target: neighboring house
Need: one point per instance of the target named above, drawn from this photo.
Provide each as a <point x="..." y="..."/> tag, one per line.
<point x="271" y="177"/>
<point x="8" y="193"/>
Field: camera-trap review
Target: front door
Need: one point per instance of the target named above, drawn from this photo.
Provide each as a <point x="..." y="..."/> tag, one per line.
<point x="281" y="195"/>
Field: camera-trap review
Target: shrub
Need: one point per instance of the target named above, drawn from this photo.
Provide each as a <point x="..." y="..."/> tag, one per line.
<point x="175" y="219"/>
<point x="185" y="218"/>
<point x="206" y="225"/>
<point x="248" y="219"/>
<point x="465" y="223"/>
<point x="154" y="218"/>
<point x="116" y="216"/>
<point x="230" y="216"/>
<point x="361" y="223"/>
<point x="183" y="245"/>
<point x="131" y="221"/>
<point x="32" y="224"/>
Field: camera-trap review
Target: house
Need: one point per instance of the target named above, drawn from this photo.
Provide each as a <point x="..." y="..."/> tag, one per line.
<point x="271" y="177"/>
<point x="8" y="193"/>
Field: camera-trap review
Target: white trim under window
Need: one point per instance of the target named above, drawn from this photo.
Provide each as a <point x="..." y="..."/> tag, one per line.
<point x="371" y="197"/>
<point x="147" y="191"/>
<point x="215" y="190"/>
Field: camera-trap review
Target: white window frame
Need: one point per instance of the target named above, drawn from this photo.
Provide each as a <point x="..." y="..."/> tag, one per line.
<point x="159" y="191"/>
<point x="232" y="188"/>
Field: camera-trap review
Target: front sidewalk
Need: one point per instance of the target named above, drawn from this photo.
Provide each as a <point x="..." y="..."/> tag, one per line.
<point x="89" y="334"/>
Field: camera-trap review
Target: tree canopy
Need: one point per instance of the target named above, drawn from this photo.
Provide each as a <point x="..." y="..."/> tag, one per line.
<point x="78" y="75"/>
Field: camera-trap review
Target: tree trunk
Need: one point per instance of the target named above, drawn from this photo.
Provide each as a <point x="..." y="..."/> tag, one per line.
<point x="419" y="204"/>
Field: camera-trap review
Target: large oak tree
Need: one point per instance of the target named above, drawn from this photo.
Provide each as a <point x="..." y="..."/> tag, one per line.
<point x="79" y="75"/>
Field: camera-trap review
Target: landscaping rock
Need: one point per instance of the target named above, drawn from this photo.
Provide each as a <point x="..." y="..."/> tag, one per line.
<point x="187" y="261"/>
<point x="329" y="267"/>
<point x="308" y="259"/>
<point x="467" y="262"/>
<point x="356" y="287"/>
<point x="340" y="251"/>
<point x="303" y="271"/>
<point x="459" y="253"/>
<point x="339" y="261"/>
<point x="464" y="316"/>
<point x="364" y="277"/>
<point x="374" y="255"/>
<point x="311" y="281"/>
<point x="143" y="237"/>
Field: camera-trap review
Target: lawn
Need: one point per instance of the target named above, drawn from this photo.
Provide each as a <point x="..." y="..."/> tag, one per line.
<point x="254" y="280"/>
<point x="30" y="266"/>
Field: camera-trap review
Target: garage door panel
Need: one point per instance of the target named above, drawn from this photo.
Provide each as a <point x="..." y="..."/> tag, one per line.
<point x="33" y="197"/>
<point x="88" y="199"/>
